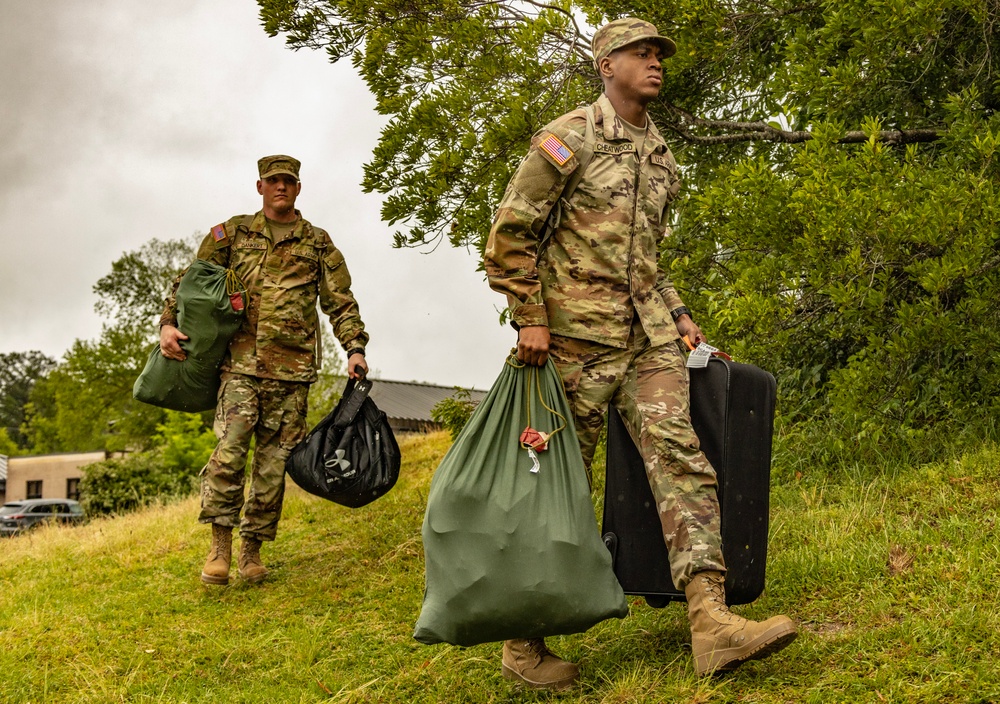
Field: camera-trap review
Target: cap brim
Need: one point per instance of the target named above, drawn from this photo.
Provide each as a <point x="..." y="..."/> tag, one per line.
<point x="666" y="44"/>
<point x="275" y="172"/>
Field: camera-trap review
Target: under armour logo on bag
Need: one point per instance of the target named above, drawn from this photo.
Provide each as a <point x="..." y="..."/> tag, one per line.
<point x="338" y="463"/>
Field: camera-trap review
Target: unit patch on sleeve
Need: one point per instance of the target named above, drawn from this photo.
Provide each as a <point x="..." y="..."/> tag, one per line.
<point x="557" y="149"/>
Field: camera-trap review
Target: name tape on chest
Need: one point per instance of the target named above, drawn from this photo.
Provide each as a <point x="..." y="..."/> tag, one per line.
<point x="608" y="148"/>
<point x="250" y="244"/>
<point x="556" y="149"/>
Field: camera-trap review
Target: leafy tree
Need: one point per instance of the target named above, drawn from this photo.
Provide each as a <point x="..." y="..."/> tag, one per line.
<point x="7" y="446"/>
<point x="838" y="225"/>
<point x="18" y="373"/>
<point x="134" y="289"/>
<point x="464" y="83"/>
<point x="184" y="442"/>
<point x="86" y="402"/>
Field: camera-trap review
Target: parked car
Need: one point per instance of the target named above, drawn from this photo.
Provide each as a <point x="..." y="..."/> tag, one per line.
<point x="19" y="516"/>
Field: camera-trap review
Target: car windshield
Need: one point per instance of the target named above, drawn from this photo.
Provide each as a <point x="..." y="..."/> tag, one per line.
<point x="10" y="509"/>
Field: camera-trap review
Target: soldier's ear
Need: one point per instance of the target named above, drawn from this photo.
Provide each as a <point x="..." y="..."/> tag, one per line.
<point x="606" y="68"/>
<point x="260" y="187"/>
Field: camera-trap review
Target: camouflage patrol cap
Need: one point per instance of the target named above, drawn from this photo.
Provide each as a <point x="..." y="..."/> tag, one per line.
<point x="278" y="164"/>
<point x="628" y="30"/>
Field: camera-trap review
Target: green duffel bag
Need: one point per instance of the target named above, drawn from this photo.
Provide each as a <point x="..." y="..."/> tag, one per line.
<point x="211" y="303"/>
<point x="511" y="542"/>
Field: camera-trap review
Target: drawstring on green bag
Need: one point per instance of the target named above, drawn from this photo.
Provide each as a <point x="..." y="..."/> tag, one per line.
<point x="235" y="290"/>
<point x="531" y="439"/>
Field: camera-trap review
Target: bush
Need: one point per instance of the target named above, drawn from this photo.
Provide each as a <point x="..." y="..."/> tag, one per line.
<point x="865" y="278"/>
<point x="454" y="412"/>
<point x="185" y="442"/>
<point x="118" y="485"/>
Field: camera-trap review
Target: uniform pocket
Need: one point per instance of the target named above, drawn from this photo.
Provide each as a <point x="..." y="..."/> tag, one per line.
<point x="662" y="185"/>
<point x="301" y="267"/>
<point x="219" y="422"/>
<point x="293" y="417"/>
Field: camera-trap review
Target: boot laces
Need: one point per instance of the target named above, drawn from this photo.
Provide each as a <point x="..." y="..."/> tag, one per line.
<point x="219" y="545"/>
<point x="535" y="650"/>
<point x="251" y="553"/>
<point x="538" y="647"/>
<point x="717" y="595"/>
<point x="715" y="589"/>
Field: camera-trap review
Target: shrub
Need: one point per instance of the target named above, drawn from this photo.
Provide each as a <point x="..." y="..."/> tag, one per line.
<point x="454" y="412"/>
<point x="117" y="485"/>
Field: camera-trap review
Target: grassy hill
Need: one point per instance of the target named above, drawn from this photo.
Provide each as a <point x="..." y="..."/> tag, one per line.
<point x="894" y="583"/>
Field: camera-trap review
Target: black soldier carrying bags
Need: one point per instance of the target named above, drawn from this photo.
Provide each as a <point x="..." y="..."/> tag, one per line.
<point x="351" y="456"/>
<point x="211" y="305"/>
<point x="732" y="411"/>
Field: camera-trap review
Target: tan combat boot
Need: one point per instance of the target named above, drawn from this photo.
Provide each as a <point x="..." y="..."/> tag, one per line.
<point x="532" y="663"/>
<point x="251" y="568"/>
<point x="721" y="640"/>
<point x="220" y="556"/>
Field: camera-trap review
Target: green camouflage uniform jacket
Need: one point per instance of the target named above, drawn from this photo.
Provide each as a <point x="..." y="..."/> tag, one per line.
<point x="600" y="267"/>
<point x="279" y="338"/>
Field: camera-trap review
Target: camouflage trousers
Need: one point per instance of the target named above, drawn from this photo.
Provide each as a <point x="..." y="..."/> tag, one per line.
<point x="649" y="386"/>
<point x="273" y="414"/>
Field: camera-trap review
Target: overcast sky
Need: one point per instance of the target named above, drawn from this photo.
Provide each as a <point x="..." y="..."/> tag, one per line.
<point x="123" y="121"/>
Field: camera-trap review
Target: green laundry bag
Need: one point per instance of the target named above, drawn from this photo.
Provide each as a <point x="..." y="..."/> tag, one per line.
<point x="211" y="303"/>
<point x="511" y="543"/>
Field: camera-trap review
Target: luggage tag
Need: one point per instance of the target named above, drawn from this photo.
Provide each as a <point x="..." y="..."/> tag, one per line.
<point x="698" y="359"/>
<point x="534" y="440"/>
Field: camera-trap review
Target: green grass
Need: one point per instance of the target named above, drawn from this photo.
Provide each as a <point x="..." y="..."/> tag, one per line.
<point x="893" y="583"/>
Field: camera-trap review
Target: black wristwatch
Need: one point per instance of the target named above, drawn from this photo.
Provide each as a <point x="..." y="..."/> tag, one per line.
<point x="356" y="350"/>
<point x="676" y="313"/>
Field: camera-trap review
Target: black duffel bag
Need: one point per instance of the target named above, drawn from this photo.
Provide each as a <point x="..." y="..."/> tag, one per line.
<point x="351" y="456"/>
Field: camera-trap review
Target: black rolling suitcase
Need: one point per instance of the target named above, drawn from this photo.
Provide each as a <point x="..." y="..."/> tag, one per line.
<point x="732" y="410"/>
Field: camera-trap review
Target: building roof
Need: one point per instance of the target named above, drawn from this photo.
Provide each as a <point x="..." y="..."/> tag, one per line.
<point x="70" y="458"/>
<point x="413" y="400"/>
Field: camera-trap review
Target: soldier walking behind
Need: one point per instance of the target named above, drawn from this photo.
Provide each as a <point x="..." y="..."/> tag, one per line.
<point x="594" y="300"/>
<point x="286" y="264"/>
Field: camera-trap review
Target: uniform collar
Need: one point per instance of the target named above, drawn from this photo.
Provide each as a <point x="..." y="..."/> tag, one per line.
<point x="259" y="225"/>
<point x="612" y="128"/>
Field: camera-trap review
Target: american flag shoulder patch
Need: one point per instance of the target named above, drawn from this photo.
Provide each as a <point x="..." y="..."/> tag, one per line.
<point x="556" y="148"/>
<point x="219" y="233"/>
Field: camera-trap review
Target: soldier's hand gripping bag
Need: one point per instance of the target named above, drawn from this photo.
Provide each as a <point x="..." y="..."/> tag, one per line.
<point x="511" y="543"/>
<point x="351" y="456"/>
<point x="211" y="304"/>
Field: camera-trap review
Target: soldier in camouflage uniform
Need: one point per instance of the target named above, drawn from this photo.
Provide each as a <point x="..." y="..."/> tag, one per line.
<point x="286" y="264"/>
<point x="593" y="298"/>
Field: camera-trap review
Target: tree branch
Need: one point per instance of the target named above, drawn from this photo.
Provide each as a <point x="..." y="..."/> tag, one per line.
<point x="763" y="132"/>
